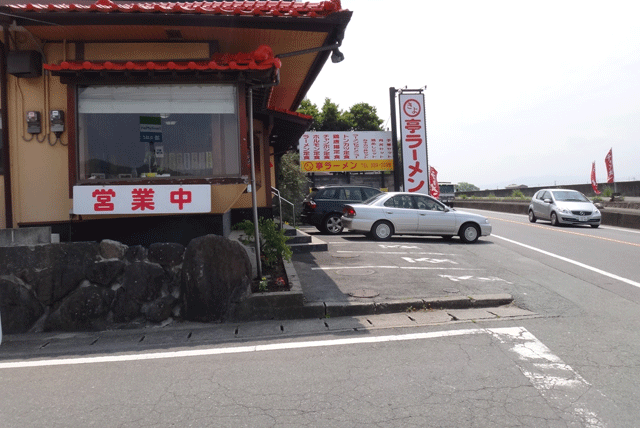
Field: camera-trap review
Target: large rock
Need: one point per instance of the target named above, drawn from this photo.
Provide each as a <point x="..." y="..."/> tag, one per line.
<point x="84" y="309"/>
<point x="141" y="282"/>
<point x="104" y="272"/>
<point x="135" y="253"/>
<point x="215" y="271"/>
<point x="53" y="270"/>
<point x="161" y="309"/>
<point x="167" y="254"/>
<point x="19" y="306"/>
<point x="110" y="249"/>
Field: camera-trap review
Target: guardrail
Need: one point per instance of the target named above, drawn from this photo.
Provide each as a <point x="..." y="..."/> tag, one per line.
<point x="610" y="216"/>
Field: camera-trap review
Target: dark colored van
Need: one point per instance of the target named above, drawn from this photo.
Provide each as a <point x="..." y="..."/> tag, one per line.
<point x="322" y="208"/>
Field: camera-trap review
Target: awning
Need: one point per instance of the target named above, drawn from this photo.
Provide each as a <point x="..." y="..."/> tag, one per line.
<point x="288" y="128"/>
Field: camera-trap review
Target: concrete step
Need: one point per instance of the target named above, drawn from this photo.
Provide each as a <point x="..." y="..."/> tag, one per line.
<point x="301" y="242"/>
<point x="308" y="247"/>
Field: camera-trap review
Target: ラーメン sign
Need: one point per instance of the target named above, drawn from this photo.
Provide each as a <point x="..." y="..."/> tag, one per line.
<point x="414" y="143"/>
<point x="327" y="151"/>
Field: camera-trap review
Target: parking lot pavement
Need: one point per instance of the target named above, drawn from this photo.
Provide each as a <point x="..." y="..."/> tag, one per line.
<point x="357" y="270"/>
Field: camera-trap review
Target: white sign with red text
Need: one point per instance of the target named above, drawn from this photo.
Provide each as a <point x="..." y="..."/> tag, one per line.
<point x="142" y="199"/>
<point x="414" y="143"/>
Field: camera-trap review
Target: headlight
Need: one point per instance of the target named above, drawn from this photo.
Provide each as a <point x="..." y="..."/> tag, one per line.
<point x="596" y="212"/>
<point x="564" y="211"/>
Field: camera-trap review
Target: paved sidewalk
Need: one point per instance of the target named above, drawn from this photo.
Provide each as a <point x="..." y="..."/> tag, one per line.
<point x="35" y="346"/>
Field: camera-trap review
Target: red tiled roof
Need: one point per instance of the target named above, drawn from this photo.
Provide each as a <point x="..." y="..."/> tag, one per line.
<point x="257" y="8"/>
<point x="260" y="59"/>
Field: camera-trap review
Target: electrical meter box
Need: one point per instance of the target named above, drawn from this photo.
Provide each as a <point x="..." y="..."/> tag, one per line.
<point x="24" y="63"/>
<point x="57" y="121"/>
<point x="34" y="125"/>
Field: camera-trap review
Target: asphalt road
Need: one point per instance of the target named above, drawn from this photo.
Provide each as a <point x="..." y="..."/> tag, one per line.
<point x="573" y="361"/>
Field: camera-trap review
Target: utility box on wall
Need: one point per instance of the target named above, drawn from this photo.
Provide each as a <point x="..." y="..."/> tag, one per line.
<point x="24" y="63"/>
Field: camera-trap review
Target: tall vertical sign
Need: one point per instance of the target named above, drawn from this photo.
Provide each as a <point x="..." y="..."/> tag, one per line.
<point x="414" y="143"/>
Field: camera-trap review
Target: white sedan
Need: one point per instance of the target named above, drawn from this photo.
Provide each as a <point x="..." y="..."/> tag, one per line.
<point x="404" y="213"/>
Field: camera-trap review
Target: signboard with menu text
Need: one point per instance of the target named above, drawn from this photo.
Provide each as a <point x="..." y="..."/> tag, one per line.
<point x="328" y="151"/>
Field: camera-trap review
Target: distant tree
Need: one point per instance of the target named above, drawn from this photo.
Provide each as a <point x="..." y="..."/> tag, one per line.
<point x="332" y="119"/>
<point x="363" y="117"/>
<point x="310" y="109"/>
<point x="467" y="187"/>
<point x="360" y="117"/>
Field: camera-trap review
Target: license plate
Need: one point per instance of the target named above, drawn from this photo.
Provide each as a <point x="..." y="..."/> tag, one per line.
<point x="582" y="219"/>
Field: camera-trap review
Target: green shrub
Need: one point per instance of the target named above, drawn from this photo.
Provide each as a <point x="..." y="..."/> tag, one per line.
<point x="273" y="241"/>
<point x="517" y="193"/>
<point x="607" y="192"/>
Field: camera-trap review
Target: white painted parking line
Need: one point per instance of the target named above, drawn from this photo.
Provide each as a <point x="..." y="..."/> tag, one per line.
<point x="565" y="259"/>
<point x="556" y="381"/>
<point x="428" y="260"/>
<point x="389" y="267"/>
<point x="394" y="252"/>
<point x="474" y="278"/>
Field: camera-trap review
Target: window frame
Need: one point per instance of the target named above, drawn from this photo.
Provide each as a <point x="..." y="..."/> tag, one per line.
<point x="72" y="136"/>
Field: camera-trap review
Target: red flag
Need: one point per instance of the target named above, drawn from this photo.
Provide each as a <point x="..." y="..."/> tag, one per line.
<point x="594" y="183"/>
<point x="433" y="182"/>
<point x="608" y="160"/>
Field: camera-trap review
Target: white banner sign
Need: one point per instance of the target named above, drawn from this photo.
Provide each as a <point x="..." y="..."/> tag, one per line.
<point x="346" y="151"/>
<point x="142" y="199"/>
<point x="414" y="143"/>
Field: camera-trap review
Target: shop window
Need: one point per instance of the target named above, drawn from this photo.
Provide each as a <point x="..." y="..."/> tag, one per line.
<point x="161" y="131"/>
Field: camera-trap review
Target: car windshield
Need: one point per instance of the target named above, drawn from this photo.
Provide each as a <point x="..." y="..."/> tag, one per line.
<point x="374" y="198"/>
<point x="569" y="196"/>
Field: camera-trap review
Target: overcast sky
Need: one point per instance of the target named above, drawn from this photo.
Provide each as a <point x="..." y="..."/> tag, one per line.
<point x="517" y="92"/>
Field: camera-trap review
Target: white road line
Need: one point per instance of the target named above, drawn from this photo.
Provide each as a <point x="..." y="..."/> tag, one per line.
<point x="556" y="381"/>
<point x="389" y="267"/>
<point x="564" y="259"/>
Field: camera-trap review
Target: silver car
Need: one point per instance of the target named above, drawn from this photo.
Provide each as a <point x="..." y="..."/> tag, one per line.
<point x="563" y="206"/>
<point x="404" y="213"/>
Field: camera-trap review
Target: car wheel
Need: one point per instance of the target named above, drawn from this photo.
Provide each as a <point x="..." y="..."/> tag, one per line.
<point x="595" y="226"/>
<point x="469" y="233"/>
<point x="332" y="224"/>
<point x="532" y="216"/>
<point x="382" y="230"/>
<point x="554" y="219"/>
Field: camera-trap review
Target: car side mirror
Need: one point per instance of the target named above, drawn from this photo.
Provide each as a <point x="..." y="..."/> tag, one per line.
<point x="548" y="201"/>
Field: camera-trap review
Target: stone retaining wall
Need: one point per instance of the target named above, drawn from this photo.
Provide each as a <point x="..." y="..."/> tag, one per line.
<point x="75" y="286"/>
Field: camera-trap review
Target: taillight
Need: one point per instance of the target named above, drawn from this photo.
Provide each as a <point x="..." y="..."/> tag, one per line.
<point x="348" y="212"/>
<point x="311" y="204"/>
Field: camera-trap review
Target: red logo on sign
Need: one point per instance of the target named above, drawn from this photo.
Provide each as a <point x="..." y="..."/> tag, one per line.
<point x="411" y="108"/>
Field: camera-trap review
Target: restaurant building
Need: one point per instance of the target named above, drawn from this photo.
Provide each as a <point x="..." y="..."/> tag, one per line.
<point x="136" y="121"/>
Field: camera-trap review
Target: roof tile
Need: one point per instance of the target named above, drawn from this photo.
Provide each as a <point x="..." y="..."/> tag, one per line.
<point x="260" y="59"/>
<point x="235" y="8"/>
